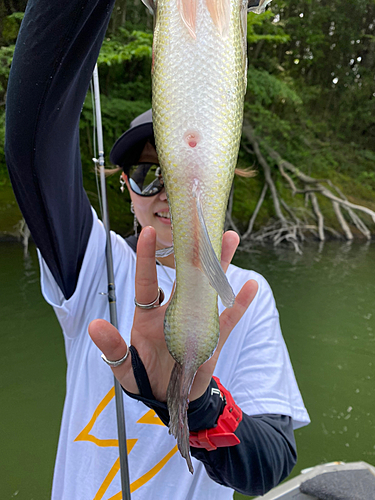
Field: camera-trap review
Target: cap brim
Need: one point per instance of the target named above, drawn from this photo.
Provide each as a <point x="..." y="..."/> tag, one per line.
<point x="128" y="148"/>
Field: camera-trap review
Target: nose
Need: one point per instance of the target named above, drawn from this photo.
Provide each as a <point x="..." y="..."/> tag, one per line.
<point x="163" y="195"/>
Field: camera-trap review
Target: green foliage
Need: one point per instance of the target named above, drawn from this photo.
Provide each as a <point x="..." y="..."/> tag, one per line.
<point x="116" y="117"/>
<point x="266" y="89"/>
<point x="125" y="46"/>
<point x="311" y="91"/>
<point x="368" y="179"/>
<point x="9" y="31"/>
<point x="125" y="65"/>
<point x="125" y="73"/>
<point x="6" y="56"/>
<point x="260" y="27"/>
<point x="11" y="26"/>
<point x="3" y="169"/>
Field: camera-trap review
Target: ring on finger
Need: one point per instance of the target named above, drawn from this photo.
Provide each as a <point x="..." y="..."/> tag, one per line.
<point x="119" y="362"/>
<point x="155" y="303"/>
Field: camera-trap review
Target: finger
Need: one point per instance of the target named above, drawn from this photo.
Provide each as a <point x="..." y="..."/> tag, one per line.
<point x="231" y="241"/>
<point x="107" y="338"/>
<point x="231" y="316"/>
<point x="146" y="283"/>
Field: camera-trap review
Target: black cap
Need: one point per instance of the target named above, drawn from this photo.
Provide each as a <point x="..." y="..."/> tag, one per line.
<point x="128" y="148"/>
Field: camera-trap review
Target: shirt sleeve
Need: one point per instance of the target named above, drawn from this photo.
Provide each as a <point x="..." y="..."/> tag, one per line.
<point x="56" y="50"/>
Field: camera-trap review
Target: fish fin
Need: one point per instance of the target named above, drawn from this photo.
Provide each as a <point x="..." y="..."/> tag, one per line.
<point x="177" y="400"/>
<point x="151" y="5"/>
<point x="211" y="266"/>
<point x="220" y="14"/>
<point x="188" y="13"/>
<point x="244" y="41"/>
<point x="257" y="6"/>
<point x="164" y="252"/>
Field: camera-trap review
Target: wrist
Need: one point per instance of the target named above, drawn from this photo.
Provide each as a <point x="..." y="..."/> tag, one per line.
<point x="204" y="412"/>
<point x="222" y="434"/>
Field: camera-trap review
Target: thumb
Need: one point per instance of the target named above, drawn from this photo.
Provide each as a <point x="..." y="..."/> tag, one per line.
<point x="107" y="338"/>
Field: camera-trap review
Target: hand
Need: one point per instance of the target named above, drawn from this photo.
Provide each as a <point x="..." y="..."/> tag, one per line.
<point x="147" y="334"/>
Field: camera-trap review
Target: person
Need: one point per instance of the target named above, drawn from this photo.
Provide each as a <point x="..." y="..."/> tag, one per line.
<point x="55" y="54"/>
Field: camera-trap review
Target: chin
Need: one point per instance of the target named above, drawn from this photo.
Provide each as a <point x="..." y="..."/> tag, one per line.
<point x="165" y="241"/>
<point x="163" y="234"/>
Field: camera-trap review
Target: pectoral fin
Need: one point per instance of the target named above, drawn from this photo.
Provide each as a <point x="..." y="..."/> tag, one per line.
<point x="188" y="13"/>
<point x="244" y="41"/>
<point x="210" y="264"/>
<point x="151" y="5"/>
<point x="220" y="14"/>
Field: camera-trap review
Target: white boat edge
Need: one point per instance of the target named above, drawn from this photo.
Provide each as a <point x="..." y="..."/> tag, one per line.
<point x="290" y="489"/>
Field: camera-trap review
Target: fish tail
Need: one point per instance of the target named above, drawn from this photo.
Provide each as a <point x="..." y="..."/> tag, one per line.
<point x="177" y="400"/>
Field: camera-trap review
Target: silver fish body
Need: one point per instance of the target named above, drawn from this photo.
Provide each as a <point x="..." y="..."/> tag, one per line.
<point x="199" y="80"/>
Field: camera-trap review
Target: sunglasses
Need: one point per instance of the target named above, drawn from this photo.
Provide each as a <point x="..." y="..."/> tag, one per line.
<point x="145" y="179"/>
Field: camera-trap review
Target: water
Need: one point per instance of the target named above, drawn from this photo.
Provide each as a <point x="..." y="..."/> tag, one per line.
<point x="32" y="379"/>
<point x="326" y="299"/>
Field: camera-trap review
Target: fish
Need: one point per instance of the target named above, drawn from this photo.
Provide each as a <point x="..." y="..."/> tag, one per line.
<point x="198" y="85"/>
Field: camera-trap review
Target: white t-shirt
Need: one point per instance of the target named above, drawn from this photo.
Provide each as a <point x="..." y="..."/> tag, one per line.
<point x="254" y="366"/>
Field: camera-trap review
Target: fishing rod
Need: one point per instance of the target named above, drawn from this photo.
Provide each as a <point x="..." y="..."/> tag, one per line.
<point x="124" y="468"/>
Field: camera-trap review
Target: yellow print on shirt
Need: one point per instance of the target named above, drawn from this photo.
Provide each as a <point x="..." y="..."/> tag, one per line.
<point x="150" y="418"/>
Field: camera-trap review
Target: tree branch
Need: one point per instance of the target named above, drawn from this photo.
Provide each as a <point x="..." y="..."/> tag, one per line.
<point x="290" y="228"/>
<point x="255" y="213"/>
<point x="230" y="221"/>
<point x="342" y="221"/>
<point x="249" y="133"/>
<point x="319" y="216"/>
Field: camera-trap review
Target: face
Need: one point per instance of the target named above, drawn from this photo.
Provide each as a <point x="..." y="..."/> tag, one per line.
<point x="152" y="210"/>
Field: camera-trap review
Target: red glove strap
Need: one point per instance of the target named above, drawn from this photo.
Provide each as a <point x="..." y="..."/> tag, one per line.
<point x="223" y="433"/>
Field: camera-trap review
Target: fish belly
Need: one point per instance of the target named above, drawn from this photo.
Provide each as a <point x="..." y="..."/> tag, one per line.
<point x="198" y="88"/>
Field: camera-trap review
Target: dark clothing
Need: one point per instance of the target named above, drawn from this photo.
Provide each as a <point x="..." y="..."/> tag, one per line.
<point x="56" y="50"/>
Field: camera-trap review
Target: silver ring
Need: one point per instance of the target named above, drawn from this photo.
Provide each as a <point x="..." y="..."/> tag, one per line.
<point x="155" y="303"/>
<point x="118" y="362"/>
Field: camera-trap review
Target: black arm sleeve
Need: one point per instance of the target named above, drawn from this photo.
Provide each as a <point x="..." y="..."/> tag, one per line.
<point x="55" y="54"/>
<point x="265" y="455"/>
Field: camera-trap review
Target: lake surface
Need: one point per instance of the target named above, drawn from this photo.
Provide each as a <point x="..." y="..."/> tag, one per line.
<point x="326" y="300"/>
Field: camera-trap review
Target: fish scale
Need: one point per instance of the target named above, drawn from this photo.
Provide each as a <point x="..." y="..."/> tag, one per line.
<point x="198" y="88"/>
